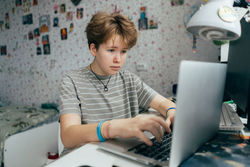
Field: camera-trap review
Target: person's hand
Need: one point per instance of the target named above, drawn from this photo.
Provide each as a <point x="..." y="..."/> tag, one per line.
<point x="170" y="120"/>
<point x="134" y="127"/>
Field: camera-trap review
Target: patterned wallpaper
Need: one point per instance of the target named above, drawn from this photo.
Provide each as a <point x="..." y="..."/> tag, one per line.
<point x="28" y="78"/>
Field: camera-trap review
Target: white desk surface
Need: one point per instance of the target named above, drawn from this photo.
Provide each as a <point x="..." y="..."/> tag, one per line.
<point x="90" y="155"/>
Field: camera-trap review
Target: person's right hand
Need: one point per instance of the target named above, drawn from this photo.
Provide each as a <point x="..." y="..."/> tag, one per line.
<point x="134" y="127"/>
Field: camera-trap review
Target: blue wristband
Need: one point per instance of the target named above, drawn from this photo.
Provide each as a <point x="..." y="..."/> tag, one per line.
<point x="171" y="108"/>
<point x="98" y="130"/>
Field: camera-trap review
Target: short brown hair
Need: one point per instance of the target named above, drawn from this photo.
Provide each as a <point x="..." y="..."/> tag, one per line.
<point x="103" y="26"/>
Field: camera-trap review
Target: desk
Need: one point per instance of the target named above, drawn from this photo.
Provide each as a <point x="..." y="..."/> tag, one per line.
<point x="89" y="154"/>
<point x="224" y="150"/>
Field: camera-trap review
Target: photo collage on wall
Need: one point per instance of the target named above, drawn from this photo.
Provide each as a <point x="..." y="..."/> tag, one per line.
<point x="42" y="44"/>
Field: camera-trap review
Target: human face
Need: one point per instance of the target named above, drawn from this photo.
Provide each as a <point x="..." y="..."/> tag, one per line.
<point x="109" y="57"/>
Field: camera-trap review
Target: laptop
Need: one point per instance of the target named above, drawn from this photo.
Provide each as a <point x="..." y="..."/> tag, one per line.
<point x="198" y="109"/>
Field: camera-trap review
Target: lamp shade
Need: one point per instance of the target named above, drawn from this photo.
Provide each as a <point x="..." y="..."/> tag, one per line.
<point x="216" y="20"/>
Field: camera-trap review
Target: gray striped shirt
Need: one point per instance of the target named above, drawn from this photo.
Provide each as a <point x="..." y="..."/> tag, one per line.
<point x="82" y="93"/>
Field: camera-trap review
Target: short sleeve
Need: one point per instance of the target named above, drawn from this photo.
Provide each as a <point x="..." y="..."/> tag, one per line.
<point x="145" y="93"/>
<point x="69" y="102"/>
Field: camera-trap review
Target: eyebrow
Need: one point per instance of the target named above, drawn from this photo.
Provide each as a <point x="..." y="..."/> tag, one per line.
<point x="115" y="47"/>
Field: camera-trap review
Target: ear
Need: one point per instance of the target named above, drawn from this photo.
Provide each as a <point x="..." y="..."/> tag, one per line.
<point x="92" y="49"/>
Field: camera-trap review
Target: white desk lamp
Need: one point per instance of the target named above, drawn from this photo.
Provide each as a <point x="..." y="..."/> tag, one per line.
<point x="216" y="20"/>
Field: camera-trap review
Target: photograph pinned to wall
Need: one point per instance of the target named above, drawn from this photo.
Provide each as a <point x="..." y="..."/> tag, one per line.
<point x="35" y="2"/>
<point x="1" y="25"/>
<point x="36" y="32"/>
<point x="3" y="50"/>
<point x="177" y="2"/>
<point x="46" y="49"/>
<point x="64" y="34"/>
<point x="7" y="21"/>
<point x="30" y="35"/>
<point x="143" y="21"/>
<point x="69" y="16"/>
<point x="44" y="23"/>
<point x="26" y="6"/>
<point x="56" y="8"/>
<point x="45" y="39"/>
<point x="18" y="3"/>
<point x="71" y="27"/>
<point x="38" y="50"/>
<point x="79" y="13"/>
<point x="56" y="22"/>
<point x="28" y="19"/>
<point x="62" y="8"/>
<point x="76" y="2"/>
<point x="153" y="24"/>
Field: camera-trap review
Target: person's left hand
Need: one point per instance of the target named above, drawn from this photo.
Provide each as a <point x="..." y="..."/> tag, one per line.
<point x="170" y="120"/>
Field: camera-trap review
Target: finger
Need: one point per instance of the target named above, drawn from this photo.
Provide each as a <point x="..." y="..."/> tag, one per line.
<point x="155" y="129"/>
<point x="144" y="138"/>
<point x="168" y="123"/>
<point x="162" y="122"/>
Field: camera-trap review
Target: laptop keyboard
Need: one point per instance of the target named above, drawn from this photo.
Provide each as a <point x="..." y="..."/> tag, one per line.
<point x="159" y="151"/>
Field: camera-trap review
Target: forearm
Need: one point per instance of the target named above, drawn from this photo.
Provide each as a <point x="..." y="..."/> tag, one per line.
<point x="162" y="104"/>
<point x="76" y="135"/>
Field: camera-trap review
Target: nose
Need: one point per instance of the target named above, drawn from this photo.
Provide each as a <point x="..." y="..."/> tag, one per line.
<point x="117" y="58"/>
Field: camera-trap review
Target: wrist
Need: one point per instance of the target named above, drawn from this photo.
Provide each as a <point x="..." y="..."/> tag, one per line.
<point x="169" y="111"/>
<point x="105" y="130"/>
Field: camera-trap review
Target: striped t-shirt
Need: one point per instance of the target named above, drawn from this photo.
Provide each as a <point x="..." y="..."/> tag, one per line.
<point x="82" y="93"/>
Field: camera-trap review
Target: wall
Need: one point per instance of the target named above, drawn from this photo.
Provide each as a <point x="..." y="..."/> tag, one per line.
<point x="28" y="78"/>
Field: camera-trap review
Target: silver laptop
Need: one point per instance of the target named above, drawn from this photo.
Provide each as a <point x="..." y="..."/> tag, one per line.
<point x="199" y="103"/>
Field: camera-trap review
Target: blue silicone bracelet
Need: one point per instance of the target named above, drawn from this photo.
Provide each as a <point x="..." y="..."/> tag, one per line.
<point x="171" y="108"/>
<point x="99" y="135"/>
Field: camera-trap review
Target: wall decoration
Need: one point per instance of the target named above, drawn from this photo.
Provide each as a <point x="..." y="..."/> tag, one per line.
<point x="3" y="50"/>
<point x="56" y="22"/>
<point x="46" y="49"/>
<point x="71" y="27"/>
<point x="69" y="16"/>
<point x="56" y="8"/>
<point x="44" y="23"/>
<point x="45" y="39"/>
<point x="7" y="21"/>
<point x="30" y="35"/>
<point x="79" y="13"/>
<point x="62" y="8"/>
<point x="35" y="2"/>
<point x="153" y="24"/>
<point x="18" y="3"/>
<point x="64" y="34"/>
<point x="38" y="50"/>
<point x="36" y="32"/>
<point x="116" y="10"/>
<point x="28" y="19"/>
<point x="161" y="50"/>
<point x="26" y="6"/>
<point x="177" y="2"/>
<point x="143" y="21"/>
<point x="1" y="25"/>
<point x="75" y="2"/>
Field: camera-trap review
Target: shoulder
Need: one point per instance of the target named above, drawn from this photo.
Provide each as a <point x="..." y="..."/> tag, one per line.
<point x="76" y="74"/>
<point x="129" y="76"/>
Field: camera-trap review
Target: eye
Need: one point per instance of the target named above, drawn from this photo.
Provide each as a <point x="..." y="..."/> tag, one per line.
<point x="111" y="50"/>
<point x="124" y="51"/>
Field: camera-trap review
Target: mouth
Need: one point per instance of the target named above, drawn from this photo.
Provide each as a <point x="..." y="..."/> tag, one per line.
<point x="115" y="68"/>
